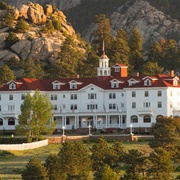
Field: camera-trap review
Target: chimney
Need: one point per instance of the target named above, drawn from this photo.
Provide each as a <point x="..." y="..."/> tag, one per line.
<point x="77" y="76"/>
<point x="172" y="73"/>
<point x="136" y="74"/>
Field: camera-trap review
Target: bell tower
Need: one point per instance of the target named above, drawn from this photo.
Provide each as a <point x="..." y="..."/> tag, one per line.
<point x="103" y="69"/>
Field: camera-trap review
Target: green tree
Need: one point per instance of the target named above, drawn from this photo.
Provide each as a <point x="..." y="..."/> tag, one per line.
<point x="54" y="169"/>
<point x="120" y="49"/>
<point x="99" y="153"/>
<point x="151" y="68"/>
<point x="57" y="24"/>
<point x="25" y="118"/>
<point x="6" y="74"/>
<point x="39" y="115"/>
<point x="9" y="20"/>
<point x="11" y="39"/>
<point x="102" y="33"/>
<point x="48" y="27"/>
<point x="135" y="45"/>
<point x="75" y="161"/>
<point x="166" y="133"/>
<point x="3" y="5"/>
<point x="105" y="173"/>
<point x="162" y="166"/>
<point x="70" y="60"/>
<point x="33" y="69"/>
<point x="21" y="26"/>
<point x="34" y="170"/>
<point x="134" y="161"/>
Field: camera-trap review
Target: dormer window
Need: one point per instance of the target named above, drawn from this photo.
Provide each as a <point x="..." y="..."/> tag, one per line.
<point x="147" y="82"/>
<point x="114" y="84"/>
<point x="175" y="82"/>
<point x="56" y="86"/>
<point x="117" y="69"/>
<point x="73" y="86"/>
<point x="12" y="86"/>
<point x="132" y="81"/>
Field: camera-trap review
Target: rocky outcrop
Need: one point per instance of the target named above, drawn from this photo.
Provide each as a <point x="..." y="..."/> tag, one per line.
<point x="153" y="24"/>
<point x="60" y="4"/>
<point x="35" y="43"/>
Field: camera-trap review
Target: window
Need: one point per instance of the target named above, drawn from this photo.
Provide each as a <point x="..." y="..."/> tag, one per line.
<point x="0" y="108"/>
<point x="0" y="97"/>
<point x="146" y="93"/>
<point x="133" y="104"/>
<point x="64" y="96"/>
<point x="146" y="104"/>
<point x="122" y="94"/>
<point x="171" y="93"/>
<point x="73" y="96"/>
<point x="112" y="95"/>
<point x="11" y="121"/>
<point x="92" y="96"/>
<point x="11" y="97"/>
<point x="23" y="96"/>
<point x="55" y="107"/>
<point x="147" y="119"/>
<point x="11" y="108"/>
<point x="171" y="105"/>
<point x="134" y="119"/>
<point x="56" y="86"/>
<point x="122" y="105"/>
<point x="73" y="86"/>
<point x="159" y="104"/>
<point x="114" y="84"/>
<point x="53" y="97"/>
<point x="73" y="106"/>
<point x="12" y="86"/>
<point x="147" y="82"/>
<point x="1" y="122"/>
<point x="175" y="82"/>
<point x="112" y="106"/>
<point x="133" y="93"/>
<point x="117" y="69"/>
<point x="159" y="93"/>
<point x="92" y="106"/>
<point x="64" y="106"/>
<point x="67" y="121"/>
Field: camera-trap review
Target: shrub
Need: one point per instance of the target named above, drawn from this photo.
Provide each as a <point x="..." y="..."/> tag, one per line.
<point x="11" y="39"/>
<point x="21" y="26"/>
<point x="3" y="5"/>
<point x="5" y="154"/>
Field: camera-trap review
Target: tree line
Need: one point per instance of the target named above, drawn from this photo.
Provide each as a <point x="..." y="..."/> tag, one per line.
<point x="106" y="162"/>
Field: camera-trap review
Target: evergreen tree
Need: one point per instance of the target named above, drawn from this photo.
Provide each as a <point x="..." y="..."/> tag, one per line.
<point x="99" y="153"/>
<point x="34" y="170"/>
<point x="102" y="34"/>
<point x="54" y="169"/>
<point x="70" y="60"/>
<point x="21" y="26"/>
<point x="75" y="161"/>
<point x="33" y="69"/>
<point x="135" y="44"/>
<point x="151" y="68"/>
<point x="134" y="160"/>
<point x="166" y="133"/>
<point x="6" y="74"/>
<point x="121" y="49"/>
<point x="57" y="24"/>
<point x="11" y="39"/>
<point x="48" y="27"/>
<point x="105" y="173"/>
<point x="162" y="166"/>
<point x="9" y="20"/>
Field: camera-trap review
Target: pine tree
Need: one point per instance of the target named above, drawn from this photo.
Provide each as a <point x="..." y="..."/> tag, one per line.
<point x="151" y="68"/>
<point x="135" y="45"/>
<point x="21" y="26"/>
<point x="54" y="169"/>
<point x="75" y="161"/>
<point x="6" y="74"/>
<point x="162" y="166"/>
<point x="11" y="39"/>
<point x="99" y="153"/>
<point x="34" y="170"/>
<point x="105" y="173"/>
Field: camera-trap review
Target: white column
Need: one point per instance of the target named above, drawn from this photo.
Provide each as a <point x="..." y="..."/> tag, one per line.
<point x="65" y="122"/>
<point x="75" y="121"/>
<point x="106" y="121"/>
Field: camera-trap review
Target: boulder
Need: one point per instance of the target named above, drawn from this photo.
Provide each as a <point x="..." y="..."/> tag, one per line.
<point x="48" y="9"/>
<point x="23" y="11"/>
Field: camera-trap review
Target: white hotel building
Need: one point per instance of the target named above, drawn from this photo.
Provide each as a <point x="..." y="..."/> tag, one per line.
<point x="104" y="101"/>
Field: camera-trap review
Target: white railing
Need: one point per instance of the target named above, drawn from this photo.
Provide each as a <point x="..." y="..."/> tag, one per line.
<point x="24" y="146"/>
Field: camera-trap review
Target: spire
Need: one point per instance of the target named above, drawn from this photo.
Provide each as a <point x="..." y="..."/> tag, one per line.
<point x="104" y="56"/>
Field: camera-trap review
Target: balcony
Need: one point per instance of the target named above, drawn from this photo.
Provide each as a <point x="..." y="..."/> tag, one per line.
<point x="7" y="114"/>
<point x="145" y="111"/>
<point x="176" y="109"/>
